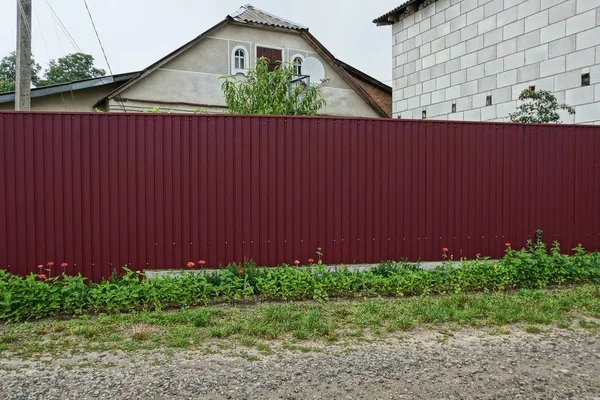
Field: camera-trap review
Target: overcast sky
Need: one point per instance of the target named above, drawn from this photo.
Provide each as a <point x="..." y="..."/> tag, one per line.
<point x="136" y="33"/>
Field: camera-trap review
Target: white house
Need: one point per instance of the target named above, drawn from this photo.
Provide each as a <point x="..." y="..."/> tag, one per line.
<point x="470" y="59"/>
<point x="190" y="77"/>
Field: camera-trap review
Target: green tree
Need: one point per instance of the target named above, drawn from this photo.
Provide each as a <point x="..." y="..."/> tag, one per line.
<point x="275" y="93"/>
<point x="6" y="86"/>
<point x="539" y="107"/>
<point x="8" y="72"/>
<point x="70" y="68"/>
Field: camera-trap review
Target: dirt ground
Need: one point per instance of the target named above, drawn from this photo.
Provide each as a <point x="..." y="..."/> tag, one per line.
<point x="423" y="364"/>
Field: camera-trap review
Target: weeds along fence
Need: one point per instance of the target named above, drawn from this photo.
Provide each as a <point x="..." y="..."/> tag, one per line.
<point x="99" y="191"/>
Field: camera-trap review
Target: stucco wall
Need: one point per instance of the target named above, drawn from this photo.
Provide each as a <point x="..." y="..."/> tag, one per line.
<point x="146" y="106"/>
<point x="78" y="100"/>
<point x="460" y="52"/>
<point x="193" y="78"/>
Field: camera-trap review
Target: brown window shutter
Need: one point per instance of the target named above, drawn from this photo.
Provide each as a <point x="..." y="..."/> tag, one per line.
<point x="274" y="56"/>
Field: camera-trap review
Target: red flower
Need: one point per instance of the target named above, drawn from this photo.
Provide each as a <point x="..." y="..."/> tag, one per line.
<point x="40" y="266"/>
<point x="201" y="262"/>
<point x="311" y="261"/>
<point x="42" y="276"/>
<point x="445" y="249"/>
<point x="507" y="244"/>
<point x="297" y="262"/>
<point x="64" y="265"/>
<point x="50" y="264"/>
<point x="240" y="271"/>
<point x="190" y="264"/>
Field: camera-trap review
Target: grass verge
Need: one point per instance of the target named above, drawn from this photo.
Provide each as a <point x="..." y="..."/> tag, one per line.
<point x="299" y="323"/>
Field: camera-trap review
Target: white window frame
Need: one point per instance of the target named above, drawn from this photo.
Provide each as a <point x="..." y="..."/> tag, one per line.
<point x="300" y="56"/>
<point x="234" y="70"/>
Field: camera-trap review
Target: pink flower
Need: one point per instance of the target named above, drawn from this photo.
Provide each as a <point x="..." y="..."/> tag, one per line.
<point x="201" y="262"/>
<point x="507" y="244"/>
<point x="40" y="266"/>
<point x="297" y="262"/>
<point x="445" y="249"/>
<point x="64" y="265"/>
<point x="42" y="276"/>
<point x="50" y="264"/>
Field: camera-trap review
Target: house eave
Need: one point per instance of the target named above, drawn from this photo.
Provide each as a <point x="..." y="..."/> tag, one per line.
<point x="71" y="86"/>
<point x="396" y="14"/>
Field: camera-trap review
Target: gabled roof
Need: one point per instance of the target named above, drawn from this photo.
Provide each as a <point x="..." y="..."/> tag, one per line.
<point x="385" y="18"/>
<point x="71" y="86"/>
<point x="251" y="14"/>
<point x="349" y="74"/>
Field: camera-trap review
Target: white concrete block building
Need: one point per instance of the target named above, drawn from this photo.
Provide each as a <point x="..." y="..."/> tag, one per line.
<point x="470" y="59"/>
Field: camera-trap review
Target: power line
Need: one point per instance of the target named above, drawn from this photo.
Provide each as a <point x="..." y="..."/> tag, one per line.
<point x="63" y="27"/>
<point x="56" y="32"/>
<point x="37" y="17"/>
<point x="97" y="36"/>
<point x="102" y="47"/>
<point x="48" y="51"/>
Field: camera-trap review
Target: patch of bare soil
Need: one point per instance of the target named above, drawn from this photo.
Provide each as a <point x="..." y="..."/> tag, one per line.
<point x="424" y="364"/>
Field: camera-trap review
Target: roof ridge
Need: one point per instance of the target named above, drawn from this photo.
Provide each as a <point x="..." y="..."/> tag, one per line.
<point x="284" y="23"/>
<point x="276" y="16"/>
<point x="240" y="10"/>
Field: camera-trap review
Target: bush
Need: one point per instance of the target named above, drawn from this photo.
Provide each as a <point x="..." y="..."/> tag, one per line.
<point x="533" y="267"/>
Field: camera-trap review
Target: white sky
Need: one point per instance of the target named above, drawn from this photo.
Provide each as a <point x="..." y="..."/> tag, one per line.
<point x="136" y="33"/>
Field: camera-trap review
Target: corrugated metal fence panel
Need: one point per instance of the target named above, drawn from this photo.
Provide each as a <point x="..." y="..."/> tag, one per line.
<point x="155" y="191"/>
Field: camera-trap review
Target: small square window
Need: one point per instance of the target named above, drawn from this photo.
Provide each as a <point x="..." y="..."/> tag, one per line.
<point x="532" y="88"/>
<point x="453" y="107"/>
<point x="585" y="79"/>
<point x="488" y="100"/>
<point x="424" y="114"/>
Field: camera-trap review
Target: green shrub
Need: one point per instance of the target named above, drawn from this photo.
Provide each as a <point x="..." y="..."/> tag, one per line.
<point x="532" y="267"/>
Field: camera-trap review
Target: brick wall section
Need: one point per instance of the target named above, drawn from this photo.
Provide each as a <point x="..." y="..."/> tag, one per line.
<point x="461" y="51"/>
<point x="381" y="97"/>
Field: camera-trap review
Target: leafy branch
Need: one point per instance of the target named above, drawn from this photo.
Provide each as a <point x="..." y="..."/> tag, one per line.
<point x="280" y="92"/>
<point x="539" y="107"/>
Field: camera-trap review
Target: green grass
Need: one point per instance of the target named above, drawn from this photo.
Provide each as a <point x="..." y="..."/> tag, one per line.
<point x="533" y="329"/>
<point x="302" y="322"/>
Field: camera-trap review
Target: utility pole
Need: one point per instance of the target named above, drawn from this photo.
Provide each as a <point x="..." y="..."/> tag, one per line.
<point x="23" y="81"/>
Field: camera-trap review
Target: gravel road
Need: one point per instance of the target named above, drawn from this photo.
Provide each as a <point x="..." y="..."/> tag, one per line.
<point x="424" y="364"/>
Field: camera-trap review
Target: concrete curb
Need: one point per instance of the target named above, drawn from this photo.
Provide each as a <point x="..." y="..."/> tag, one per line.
<point x="151" y="274"/>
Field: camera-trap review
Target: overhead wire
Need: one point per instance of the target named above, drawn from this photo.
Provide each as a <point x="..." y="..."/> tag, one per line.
<point x="56" y="32"/>
<point x="37" y="17"/>
<point x="63" y="27"/>
<point x="97" y="35"/>
<point x="101" y="47"/>
<point x="62" y="51"/>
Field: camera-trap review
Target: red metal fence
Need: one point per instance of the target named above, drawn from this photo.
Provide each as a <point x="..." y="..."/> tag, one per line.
<point x="155" y="191"/>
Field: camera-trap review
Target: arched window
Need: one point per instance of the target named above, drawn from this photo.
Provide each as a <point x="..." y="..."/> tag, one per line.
<point x="239" y="60"/>
<point x="298" y="60"/>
